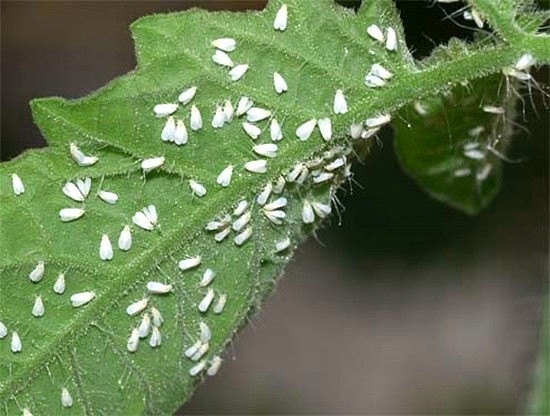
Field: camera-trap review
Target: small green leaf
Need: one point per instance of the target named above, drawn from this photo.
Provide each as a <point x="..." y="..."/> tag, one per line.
<point x="453" y="148"/>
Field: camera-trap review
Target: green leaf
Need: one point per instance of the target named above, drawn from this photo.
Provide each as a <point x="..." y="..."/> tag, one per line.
<point x="455" y="149"/>
<point x="84" y="349"/>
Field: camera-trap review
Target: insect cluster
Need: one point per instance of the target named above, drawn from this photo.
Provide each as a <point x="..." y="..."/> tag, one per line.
<point x="477" y="152"/>
<point x="307" y="188"/>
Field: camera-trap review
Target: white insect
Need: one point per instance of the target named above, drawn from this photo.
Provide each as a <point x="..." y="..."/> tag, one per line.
<point x="369" y="133"/>
<point x="146" y="218"/>
<point x="308" y="216"/>
<point x="303" y="176"/>
<point x="275" y="216"/>
<point x="133" y="341"/>
<point x="524" y="62"/>
<point x="380" y="71"/>
<point x="66" y="399"/>
<point x="203" y="349"/>
<point x="197" y="188"/>
<point x="220" y="304"/>
<point x="256" y="166"/>
<point x="303" y="132"/>
<point x="243" y="237"/>
<point x="125" y="239"/>
<point x="493" y="109"/>
<point x="151" y="213"/>
<point x="187" y="95"/>
<point x="192" y="350"/>
<point x="16" y="344"/>
<point x="279" y="185"/>
<point x="156" y="338"/>
<point x="243" y="106"/>
<point x="275" y="130"/>
<point x="189" y="263"/>
<point x="225" y="44"/>
<point x="152" y="163"/>
<point x="277" y="204"/>
<point x="206" y="301"/>
<point x="336" y="164"/>
<point x="282" y="245"/>
<point x="180" y="134"/>
<point x="195" y="121"/>
<point x="81" y="298"/>
<point x="240" y="208"/>
<point x="17" y="184"/>
<point x="325" y="127"/>
<point x="315" y="162"/>
<point x="221" y="58"/>
<point x="279" y="83"/>
<point x="84" y="186"/>
<point x="321" y="210"/>
<point x="478" y="20"/>
<point x="228" y="111"/>
<point x="376" y="33"/>
<point x="197" y="368"/>
<point x="224" y="178"/>
<point x="207" y="277"/>
<point x="3" y="330"/>
<point x="38" y="307"/>
<point x="482" y="174"/>
<point x="519" y="75"/>
<point x="267" y="149"/>
<point x="470" y="145"/>
<point x="242" y="221"/>
<point x="80" y="158"/>
<point x="391" y="39"/>
<point x="26" y="412"/>
<point x="218" y="119"/>
<point x="215" y="364"/>
<point x="205" y="333"/>
<point x="72" y="191"/>
<point x="460" y="173"/>
<point x="420" y="108"/>
<point x="156" y="317"/>
<point x="281" y="19"/>
<point x="264" y="195"/>
<point x="37" y="273"/>
<point x="252" y="130"/>
<point x="144" y="326"/>
<point x="474" y="154"/>
<point x="219" y="237"/>
<point x="255" y="114"/>
<point x="295" y="172"/>
<point x="165" y="109"/>
<point x="378" y="120"/>
<point x="238" y="72"/>
<point x="105" y="248"/>
<point x="159" y="288"/>
<point x="218" y="224"/>
<point x="355" y="131"/>
<point x="108" y="197"/>
<point x="167" y="134"/>
<point x="372" y="81"/>
<point x="137" y="307"/>
<point x="340" y="106"/>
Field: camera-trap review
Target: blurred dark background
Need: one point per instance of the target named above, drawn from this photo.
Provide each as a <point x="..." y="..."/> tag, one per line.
<point x="406" y="307"/>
